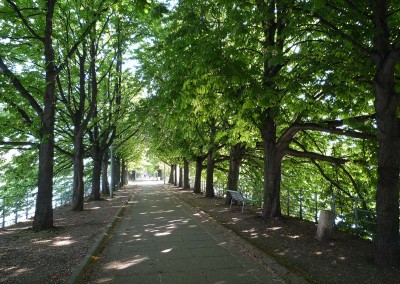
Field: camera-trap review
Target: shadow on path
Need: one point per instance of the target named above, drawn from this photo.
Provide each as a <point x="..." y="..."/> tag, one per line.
<point x="161" y="240"/>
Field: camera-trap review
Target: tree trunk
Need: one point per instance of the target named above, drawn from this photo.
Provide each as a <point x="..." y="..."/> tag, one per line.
<point x="78" y="187"/>
<point x="210" y="174"/>
<point x="44" y="203"/>
<point x="171" y="175"/>
<point x="123" y="173"/>
<point x="175" y="175"/>
<point x="180" y="183"/>
<point x="117" y="172"/>
<point x="197" y="179"/>
<point x="272" y="170"/>
<point x="186" y="182"/>
<point x="105" y="187"/>
<point x="387" y="195"/>
<point x="235" y="158"/>
<point x="96" y="175"/>
<point x="386" y="107"/>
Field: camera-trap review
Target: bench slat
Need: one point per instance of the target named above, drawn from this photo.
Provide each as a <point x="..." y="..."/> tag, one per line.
<point x="238" y="196"/>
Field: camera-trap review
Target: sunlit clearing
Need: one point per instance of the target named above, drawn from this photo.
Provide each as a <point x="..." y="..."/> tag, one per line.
<point x="119" y="265"/>
<point x="166" y="250"/>
<point x="162" y="234"/>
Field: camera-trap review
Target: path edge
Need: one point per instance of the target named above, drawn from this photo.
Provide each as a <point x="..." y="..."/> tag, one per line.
<point x="80" y="270"/>
<point x="264" y="259"/>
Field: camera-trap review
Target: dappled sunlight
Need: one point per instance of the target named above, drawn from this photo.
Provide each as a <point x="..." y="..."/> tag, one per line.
<point x="123" y="264"/>
<point x="62" y="241"/>
<point x="16" y="270"/>
<point x="167" y="250"/>
<point x="252" y="232"/>
<point x="40" y="241"/>
<point x="162" y="211"/>
<point x="162" y="234"/>
<point x="274" y="228"/>
<point x="318" y="253"/>
<point x="93" y="208"/>
<point x="282" y="253"/>
<point x="294" y="236"/>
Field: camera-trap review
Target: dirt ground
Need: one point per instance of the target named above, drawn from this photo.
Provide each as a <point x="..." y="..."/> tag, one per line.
<point x="52" y="256"/>
<point x="291" y="241"/>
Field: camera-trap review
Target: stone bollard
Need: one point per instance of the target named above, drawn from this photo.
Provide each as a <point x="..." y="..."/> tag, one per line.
<point x="325" y="224"/>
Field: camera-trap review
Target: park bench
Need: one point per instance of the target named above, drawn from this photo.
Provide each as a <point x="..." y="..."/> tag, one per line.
<point x="238" y="196"/>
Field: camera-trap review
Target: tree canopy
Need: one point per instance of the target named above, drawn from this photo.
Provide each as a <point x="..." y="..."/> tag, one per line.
<point x="268" y="96"/>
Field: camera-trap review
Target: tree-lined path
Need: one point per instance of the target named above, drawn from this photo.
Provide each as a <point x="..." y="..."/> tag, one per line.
<point x="162" y="240"/>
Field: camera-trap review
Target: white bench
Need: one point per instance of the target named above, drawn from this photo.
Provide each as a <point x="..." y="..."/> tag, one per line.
<point x="238" y="196"/>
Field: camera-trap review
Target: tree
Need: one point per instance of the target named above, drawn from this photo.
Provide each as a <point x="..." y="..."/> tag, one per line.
<point x="374" y="35"/>
<point x="38" y="32"/>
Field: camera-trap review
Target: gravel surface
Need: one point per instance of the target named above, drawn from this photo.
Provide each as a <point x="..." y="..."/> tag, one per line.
<point x="52" y="256"/>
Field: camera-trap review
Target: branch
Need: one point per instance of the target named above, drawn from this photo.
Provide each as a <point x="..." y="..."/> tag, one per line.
<point x="327" y="127"/>
<point x="315" y="156"/>
<point x="24" y="21"/>
<point x="9" y="143"/>
<point x="79" y="41"/>
<point x="20" y="88"/>
<point x="345" y="36"/>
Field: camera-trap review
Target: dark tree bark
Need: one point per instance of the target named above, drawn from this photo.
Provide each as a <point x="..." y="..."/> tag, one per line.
<point x="96" y="173"/>
<point x="210" y="174"/>
<point x="117" y="172"/>
<point x="180" y="183"/>
<point x="171" y="175"/>
<point x="272" y="170"/>
<point x="197" y="179"/>
<point x="235" y="158"/>
<point x="78" y="189"/>
<point x="186" y="182"/>
<point x="386" y="106"/>
<point x="44" y="211"/>
<point x="123" y="173"/>
<point x="105" y="187"/>
<point x="80" y="124"/>
<point x="175" y="175"/>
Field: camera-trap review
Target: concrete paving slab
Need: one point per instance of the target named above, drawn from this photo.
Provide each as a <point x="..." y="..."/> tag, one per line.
<point x="161" y="240"/>
<point x="195" y="277"/>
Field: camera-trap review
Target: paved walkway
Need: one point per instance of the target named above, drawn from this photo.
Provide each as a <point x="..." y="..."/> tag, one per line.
<point x="161" y="240"/>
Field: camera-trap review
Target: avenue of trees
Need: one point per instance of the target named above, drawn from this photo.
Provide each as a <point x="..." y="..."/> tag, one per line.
<point x="294" y="93"/>
<point x="65" y="97"/>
